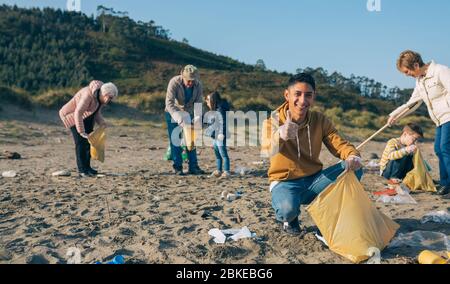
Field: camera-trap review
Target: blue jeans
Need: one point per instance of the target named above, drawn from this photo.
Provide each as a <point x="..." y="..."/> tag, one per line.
<point x="398" y="168"/>
<point x="176" y="150"/>
<point x="287" y="196"/>
<point x="442" y="149"/>
<point x="220" y="149"/>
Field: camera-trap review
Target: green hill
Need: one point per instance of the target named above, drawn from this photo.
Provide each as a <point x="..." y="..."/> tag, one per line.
<point x="47" y="55"/>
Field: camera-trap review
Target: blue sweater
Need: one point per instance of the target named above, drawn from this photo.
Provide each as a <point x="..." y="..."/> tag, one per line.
<point x="222" y="108"/>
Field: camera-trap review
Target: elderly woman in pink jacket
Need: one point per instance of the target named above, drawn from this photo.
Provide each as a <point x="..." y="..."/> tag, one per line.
<point x="81" y="113"/>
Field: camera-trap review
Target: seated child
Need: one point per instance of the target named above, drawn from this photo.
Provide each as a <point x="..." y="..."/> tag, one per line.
<point x="397" y="158"/>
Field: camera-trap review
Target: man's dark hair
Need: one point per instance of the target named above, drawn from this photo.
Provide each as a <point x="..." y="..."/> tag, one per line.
<point x="302" y="78"/>
<point x="412" y="127"/>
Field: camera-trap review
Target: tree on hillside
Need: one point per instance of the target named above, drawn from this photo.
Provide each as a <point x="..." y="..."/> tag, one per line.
<point x="103" y="11"/>
<point x="360" y="85"/>
<point x="260" y="65"/>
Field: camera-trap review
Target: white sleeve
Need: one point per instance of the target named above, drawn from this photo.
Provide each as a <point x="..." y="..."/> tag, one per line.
<point x="444" y="78"/>
<point x="415" y="100"/>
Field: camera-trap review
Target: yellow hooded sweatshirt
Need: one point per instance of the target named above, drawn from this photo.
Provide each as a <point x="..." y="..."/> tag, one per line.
<point x="299" y="158"/>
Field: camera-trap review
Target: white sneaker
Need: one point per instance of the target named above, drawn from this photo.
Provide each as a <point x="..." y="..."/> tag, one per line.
<point x="225" y="175"/>
<point x="216" y="173"/>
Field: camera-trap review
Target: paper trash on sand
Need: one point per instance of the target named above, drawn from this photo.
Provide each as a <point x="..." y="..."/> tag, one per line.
<point x="236" y="234"/>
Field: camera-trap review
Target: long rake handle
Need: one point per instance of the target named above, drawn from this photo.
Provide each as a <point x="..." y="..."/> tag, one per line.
<point x="371" y="137"/>
<point x="382" y="129"/>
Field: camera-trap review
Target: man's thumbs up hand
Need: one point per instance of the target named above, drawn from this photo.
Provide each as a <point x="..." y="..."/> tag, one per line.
<point x="288" y="116"/>
<point x="289" y="129"/>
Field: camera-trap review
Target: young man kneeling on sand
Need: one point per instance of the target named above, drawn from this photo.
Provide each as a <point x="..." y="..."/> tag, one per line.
<point x="397" y="158"/>
<point x="293" y="137"/>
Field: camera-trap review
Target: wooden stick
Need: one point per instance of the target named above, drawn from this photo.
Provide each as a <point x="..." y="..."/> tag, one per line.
<point x="371" y="137"/>
<point x="384" y="127"/>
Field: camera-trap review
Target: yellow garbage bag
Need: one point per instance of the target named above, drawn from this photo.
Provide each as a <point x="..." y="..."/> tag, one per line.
<point x="419" y="178"/>
<point x="349" y="222"/>
<point x="189" y="137"/>
<point x="429" y="257"/>
<point x="97" y="141"/>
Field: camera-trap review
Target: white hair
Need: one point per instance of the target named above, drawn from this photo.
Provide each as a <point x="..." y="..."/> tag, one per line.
<point x="109" y="88"/>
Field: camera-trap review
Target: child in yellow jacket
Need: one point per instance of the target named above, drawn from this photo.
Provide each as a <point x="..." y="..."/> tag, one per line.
<point x="397" y="158"/>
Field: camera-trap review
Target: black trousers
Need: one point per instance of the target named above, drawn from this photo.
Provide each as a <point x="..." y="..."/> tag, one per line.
<point x="82" y="146"/>
<point x="399" y="168"/>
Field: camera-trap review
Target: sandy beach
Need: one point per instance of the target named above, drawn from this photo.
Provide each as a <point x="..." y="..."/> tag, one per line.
<point x="140" y="210"/>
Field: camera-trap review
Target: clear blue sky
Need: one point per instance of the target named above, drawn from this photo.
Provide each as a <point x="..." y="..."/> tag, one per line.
<point x="338" y="35"/>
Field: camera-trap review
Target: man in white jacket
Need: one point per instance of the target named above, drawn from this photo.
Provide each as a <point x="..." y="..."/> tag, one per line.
<point x="432" y="88"/>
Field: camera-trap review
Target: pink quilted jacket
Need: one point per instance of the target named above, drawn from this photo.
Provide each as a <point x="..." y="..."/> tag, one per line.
<point x="82" y="105"/>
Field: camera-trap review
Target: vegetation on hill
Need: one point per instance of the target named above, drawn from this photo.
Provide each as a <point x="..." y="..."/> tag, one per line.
<point x="47" y="55"/>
